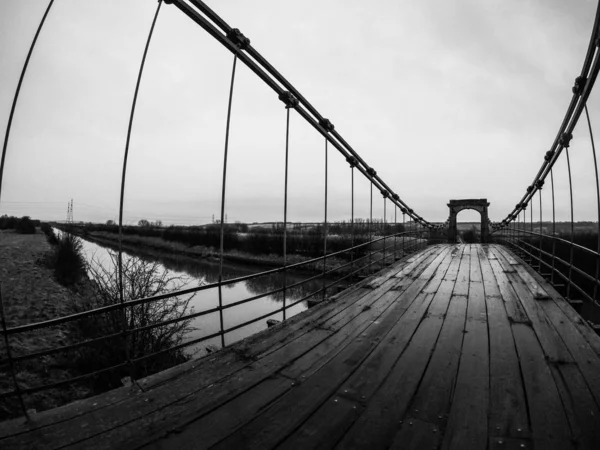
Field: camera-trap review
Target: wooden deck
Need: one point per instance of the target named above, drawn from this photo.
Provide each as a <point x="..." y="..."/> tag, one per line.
<point x="459" y="347"/>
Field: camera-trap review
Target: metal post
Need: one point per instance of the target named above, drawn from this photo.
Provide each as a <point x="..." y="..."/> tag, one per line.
<point x="223" y="186"/>
<point x="587" y="115"/>
<point x="122" y="197"/>
<point x="403" y="233"/>
<point x="395" y="231"/>
<point x="572" y="224"/>
<point x="325" y="228"/>
<point x="553" y="227"/>
<point x="285" y="208"/>
<point x="370" y="230"/>
<point x="384" y="230"/>
<point x="352" y="219"/>
<point x="541" y="231"/>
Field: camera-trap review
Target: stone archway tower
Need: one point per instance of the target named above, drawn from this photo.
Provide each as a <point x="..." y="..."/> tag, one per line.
<point x="457" y="206"/>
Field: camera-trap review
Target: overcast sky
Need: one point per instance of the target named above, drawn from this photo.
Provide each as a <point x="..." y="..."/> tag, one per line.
<point x="445" y="99"/>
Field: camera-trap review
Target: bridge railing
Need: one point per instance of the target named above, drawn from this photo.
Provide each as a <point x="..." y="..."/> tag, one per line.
<point x="567" y="253"/>
<point x="130" y="362"/>
<point x="360" y="261"/>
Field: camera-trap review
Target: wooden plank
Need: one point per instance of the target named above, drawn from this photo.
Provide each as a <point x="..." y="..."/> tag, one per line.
<point x="327" y="426"/>
<point x="393" y="331"/>
<point x="582" y="326"/>
<point x="441" y="271"/>
<point x="550" y="428"/>
<point x="452" y="272"/>
<point x="577" y="336"/>
<point x="508" y="415"/>
<point x="366" y="380"/>
<point x="404" y="267"/>
<point x="538" y="292"/>
<point x="265" y="342"/>
<point x="475" y="271"/>
<point x="467" y="423"/>
<point x="514" y="308"/>
<point x="585" y="357"/>
<point x="364" y="313"/>
<point x="509" y="257"/>
<point x="211" y="428"/>
<point x="223" y="364"/>
<point x="275" y="424"/>
<point x="431" y="403"/>
<point x="581" y="409"/>
<point x="311" y="362"/>
<point x="490" y="285"/>
<point x="378" y="424"/>
<point x="462" y="281"/>
<point x="551" y="342"/>
<point x="198" y="407"/>
<point x="414" y="261"/>
<point x="415" y="434"/>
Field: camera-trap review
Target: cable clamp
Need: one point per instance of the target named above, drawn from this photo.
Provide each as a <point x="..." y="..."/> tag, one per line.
<point x="549" y="155"/>
<point x="371" y="171"/>
<point x="579" y="85"/>
<point x="396" y="197"/>
<point x="565" y="139"/>
<point x="351" y="160"/>
<point x="385" y="193"/>
<point x="529" y="189"/>
<point x="238" y="39"/>
<point x="288" y="98"/>
<point x="326" y="125"/>
<point x="539" y="184"/>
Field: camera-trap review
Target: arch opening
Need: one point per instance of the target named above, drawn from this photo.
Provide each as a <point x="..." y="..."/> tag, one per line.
<point x="456" y="206"/>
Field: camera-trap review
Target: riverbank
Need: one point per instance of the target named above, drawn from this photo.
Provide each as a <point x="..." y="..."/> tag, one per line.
<point x="156" y="246"/>
<point x="31" y="294"/>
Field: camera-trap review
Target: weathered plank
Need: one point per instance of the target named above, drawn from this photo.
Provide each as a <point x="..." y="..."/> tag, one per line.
<point x="475" y="270"/>
<point x="391" y="365"/>
<point x="327" y="426"/>
<point x="405" y="267"/>
<point x="550" y="427"/>
<point x="467" y="423"/>
<point x="205" y="371"/>
<point x="552" y="344"/>
<point x="583" y="354"/>
<point x="274" y="425"/>
<point x="514" y="308"/>
<point x="462" y="281"/>
<point x="400" y="299"/>
<point x="415" y="434"/>
<point x="378" y="424"/>
<point x="508" y="415"/>
<point x="431" y="403"/>
<point x="581" y="409"/>
<point x="490" y="285"/>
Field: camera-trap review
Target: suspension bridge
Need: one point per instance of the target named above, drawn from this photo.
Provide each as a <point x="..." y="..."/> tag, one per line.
<point x="432" y="343"/>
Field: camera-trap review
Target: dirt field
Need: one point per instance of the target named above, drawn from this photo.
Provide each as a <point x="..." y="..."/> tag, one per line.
<point x="30" y="294"/>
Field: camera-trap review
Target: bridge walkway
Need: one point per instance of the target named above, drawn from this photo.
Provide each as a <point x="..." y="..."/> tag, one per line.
<point x="460" y="346"/>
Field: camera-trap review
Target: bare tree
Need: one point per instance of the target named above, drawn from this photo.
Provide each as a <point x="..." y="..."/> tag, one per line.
<point x="141" y="279"/>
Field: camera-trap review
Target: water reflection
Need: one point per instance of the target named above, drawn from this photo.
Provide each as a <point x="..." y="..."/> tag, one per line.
<point x="203" y="271"/>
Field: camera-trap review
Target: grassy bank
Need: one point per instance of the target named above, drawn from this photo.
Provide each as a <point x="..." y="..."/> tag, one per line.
<point x="157" y="246"/>
<point x="30" y="293"/>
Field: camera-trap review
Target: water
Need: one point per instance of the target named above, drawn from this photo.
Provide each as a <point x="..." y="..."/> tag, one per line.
<point x="190" y="273"/>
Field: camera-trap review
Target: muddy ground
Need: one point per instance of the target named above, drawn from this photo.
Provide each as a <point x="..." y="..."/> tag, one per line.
<point x="30" y="294"/>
